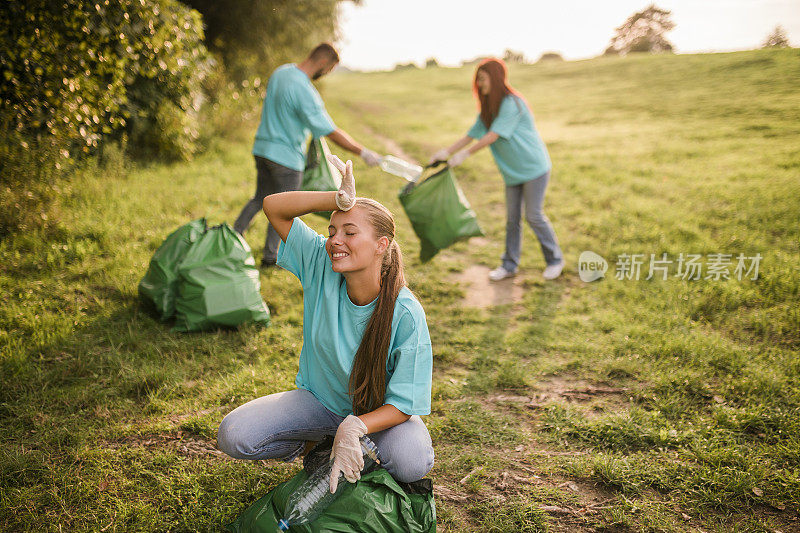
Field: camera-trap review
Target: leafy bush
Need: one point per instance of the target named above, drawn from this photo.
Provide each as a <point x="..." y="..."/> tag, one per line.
<point x="82" y="70"/>
<point x="249" y="39"/>
<point x="29" y="176"/>
<point x="232" y="108"/>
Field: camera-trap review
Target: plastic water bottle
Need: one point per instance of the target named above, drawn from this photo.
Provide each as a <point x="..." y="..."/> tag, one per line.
<point x="314" y="494"/>
<point x="398" y="167"/>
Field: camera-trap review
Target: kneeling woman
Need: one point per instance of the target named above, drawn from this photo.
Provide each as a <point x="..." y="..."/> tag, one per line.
<point x="366" y="362"/>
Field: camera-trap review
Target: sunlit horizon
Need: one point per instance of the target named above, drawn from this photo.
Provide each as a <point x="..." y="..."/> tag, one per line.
<point x="379" y="34"/>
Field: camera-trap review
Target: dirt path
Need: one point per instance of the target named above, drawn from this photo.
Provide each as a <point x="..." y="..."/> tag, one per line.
<point x="390" y="145"/>
<point x="482" y="293"/>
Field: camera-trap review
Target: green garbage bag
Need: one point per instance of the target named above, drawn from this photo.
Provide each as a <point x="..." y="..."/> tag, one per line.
<point x="374" y="504"/>
<point x="439" y="212"/>
<point x="219" y="283"/>
<point x="159" y="286"/>
<point x="320" y="174"/>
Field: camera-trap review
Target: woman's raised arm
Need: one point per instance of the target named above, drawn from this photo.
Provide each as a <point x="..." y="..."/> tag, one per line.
<point x="281" y="208"/>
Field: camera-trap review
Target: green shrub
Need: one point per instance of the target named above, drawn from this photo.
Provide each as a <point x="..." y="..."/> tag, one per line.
<point x="249" y="39"/>
<point x="550" y="56"/>
<point x="84" y="70"/>
<point x="233" y="107"/>
<point x="253" y="37"/>
<point x="30" y="172"/>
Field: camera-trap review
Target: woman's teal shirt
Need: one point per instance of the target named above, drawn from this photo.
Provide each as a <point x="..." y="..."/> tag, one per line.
<point x="519" y="151"/>
<point x="333" y="326"/>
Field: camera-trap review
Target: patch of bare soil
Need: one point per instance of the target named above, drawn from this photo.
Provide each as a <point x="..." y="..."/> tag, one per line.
<point x="573" y="511"/>
<point x="390" y="145"/>
<point x="178" y="419"/>
<point x="187" y="445"/>
<point x="597" y="398"/>
<point x="579" y="501"/>
<point x="482" y="293"/>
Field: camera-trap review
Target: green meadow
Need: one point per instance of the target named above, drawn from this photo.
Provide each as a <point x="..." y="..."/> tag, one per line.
<point x="616" y="405"/>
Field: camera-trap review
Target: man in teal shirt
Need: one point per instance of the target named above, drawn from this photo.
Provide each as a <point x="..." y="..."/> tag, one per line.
<point x="292" y="110"/>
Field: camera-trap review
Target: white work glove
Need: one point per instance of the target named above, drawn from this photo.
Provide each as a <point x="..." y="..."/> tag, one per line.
<point x="458" y="158"/>
<point x="346" y="196"/>
<point x="347" y="456"/>
<point x="370" y="158"/>
<point x="441" y="155"/>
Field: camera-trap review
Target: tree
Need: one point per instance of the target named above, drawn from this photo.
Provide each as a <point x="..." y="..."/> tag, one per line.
<point x="776" y="39"/>
<point x="405" y="66"/>
<point x="511" y="56"/>
<point x="252" y="37"/>
<point x="643" y="32"/>
<point x="431" y="63"/>
<point x="550" y="56"/>
<point x="473" y="61"/>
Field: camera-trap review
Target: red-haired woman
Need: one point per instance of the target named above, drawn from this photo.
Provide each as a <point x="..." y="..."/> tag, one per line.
<point x="505" y="123"/>
<point x="366" y="363"/>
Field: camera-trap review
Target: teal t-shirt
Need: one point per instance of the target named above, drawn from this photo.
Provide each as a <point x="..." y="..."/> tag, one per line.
<point x="519" y="152"/>
<point x="333" y="326"/>
<point x="292" y="109"/>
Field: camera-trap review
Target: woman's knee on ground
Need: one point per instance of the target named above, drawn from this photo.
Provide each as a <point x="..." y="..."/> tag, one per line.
<point x="410" y="463"/>
<point x="236" y="441"/>
<point x="231" y="441"/>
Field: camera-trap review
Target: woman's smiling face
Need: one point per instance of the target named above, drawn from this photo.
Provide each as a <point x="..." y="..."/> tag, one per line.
<point x="351" y="243"/>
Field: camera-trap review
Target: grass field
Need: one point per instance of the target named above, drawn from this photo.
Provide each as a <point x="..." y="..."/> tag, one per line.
<point x="620" y="405"/>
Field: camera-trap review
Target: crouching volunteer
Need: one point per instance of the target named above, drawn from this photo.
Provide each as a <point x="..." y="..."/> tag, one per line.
<point x="366" y="362"/>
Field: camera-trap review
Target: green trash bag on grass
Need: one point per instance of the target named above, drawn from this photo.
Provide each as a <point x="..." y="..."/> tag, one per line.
<point x="439" y="212"/>
<point x="219" y="284"/>
<point x="159" y="286"/>
<point x="320" y="174"/>
<point x="376" y="503"/>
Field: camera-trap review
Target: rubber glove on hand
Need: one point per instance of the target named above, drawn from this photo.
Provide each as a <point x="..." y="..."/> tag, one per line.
<point x="441" y="155"/>
<point x="458" y="158"/>
<point x="347" y="456"/>
<point x="370" y="158"/>
<point x="346" y="196"/>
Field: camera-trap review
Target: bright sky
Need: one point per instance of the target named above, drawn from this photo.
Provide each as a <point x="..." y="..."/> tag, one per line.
<point x="381" y="33"/>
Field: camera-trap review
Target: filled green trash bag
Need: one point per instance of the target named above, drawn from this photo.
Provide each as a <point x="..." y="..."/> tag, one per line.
<point x="219" y="284"/>
<point x="320" y="174"/>
<point x="159" y="286"/>
<point x="374" y="504"/>
<point x="439" y="212"/>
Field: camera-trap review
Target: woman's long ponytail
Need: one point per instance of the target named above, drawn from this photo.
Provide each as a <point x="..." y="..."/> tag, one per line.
<point x="368" y="377"/>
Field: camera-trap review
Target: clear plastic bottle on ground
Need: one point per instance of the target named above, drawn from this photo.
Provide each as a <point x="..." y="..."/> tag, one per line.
<point x="398" y="167"/>
<point x="314" y="494"/>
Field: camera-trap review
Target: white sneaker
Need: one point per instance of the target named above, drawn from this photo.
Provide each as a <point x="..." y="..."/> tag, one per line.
<point x="500" y="273"/>
<point x="553" y="271"/>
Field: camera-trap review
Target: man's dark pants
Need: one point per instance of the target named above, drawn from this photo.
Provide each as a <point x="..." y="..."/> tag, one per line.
<point x="271" y="178"/>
